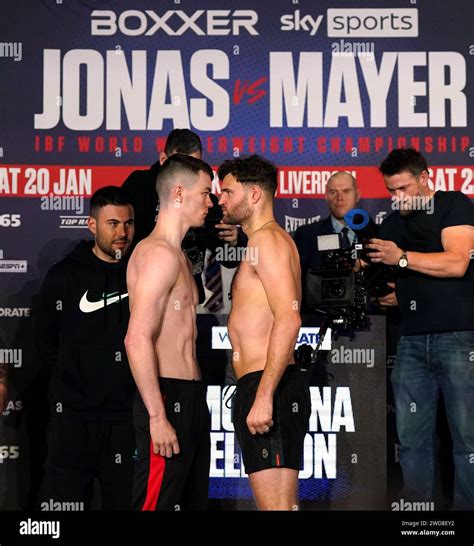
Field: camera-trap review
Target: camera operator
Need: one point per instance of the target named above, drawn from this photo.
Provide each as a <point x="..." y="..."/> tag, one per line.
<point x="342" y="196"/>
<point x="430" y="236"/>
<point x="140" y="189"/>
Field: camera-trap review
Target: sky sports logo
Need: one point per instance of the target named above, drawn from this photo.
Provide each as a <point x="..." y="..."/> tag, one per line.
<point x="373" y="23"/>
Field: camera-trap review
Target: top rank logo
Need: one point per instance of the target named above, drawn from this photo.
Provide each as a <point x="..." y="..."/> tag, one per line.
<point x="173" y="22"/>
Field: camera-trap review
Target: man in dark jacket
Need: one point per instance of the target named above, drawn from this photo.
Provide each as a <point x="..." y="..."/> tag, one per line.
<point x="141" y="190"/>
<point x="82" y="321"/>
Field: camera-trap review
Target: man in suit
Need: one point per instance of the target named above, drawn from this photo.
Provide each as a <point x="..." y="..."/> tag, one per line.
<point x="342" y="195"/>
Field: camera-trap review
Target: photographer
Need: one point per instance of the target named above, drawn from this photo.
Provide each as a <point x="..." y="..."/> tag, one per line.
<point x="430" y="236"/>
<point x="140" y="189"/>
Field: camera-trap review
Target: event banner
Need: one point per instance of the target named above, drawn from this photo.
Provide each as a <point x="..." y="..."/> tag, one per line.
<point x="90" y="89"/>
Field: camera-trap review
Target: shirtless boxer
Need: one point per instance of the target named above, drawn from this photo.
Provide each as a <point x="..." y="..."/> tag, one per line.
<point x="272" y="403"/>
<point x="171" y="416"/>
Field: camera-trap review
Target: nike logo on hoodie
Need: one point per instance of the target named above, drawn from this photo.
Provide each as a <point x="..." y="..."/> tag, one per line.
<point x="87" y="306"/>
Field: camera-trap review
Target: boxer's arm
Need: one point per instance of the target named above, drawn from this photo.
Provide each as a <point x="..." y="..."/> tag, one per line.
<point x="157" y="272"/>
<point x="274" y="270"/>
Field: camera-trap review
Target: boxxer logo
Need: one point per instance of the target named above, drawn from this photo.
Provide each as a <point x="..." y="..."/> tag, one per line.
<point x="174" y="22"/>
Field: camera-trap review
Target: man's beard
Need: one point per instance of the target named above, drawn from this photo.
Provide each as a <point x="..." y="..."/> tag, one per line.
<point x="406" y="213"/>
<point x="117" y="253"/>
<point x="239" y="214"/>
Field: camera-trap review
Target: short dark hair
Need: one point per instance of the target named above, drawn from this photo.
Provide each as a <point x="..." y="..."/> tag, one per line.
<point x="179" y="165"/>
<point x="252" y="169"/>
<point x="403" y="159"/>
<point x="182" y="141"/>
<point x="108" y="195"/>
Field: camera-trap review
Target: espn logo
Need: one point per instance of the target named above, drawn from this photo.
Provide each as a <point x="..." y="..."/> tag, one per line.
<point x="373" y="23"/>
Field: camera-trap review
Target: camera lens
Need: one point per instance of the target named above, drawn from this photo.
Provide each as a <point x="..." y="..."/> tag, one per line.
<point x="334" y="289"/>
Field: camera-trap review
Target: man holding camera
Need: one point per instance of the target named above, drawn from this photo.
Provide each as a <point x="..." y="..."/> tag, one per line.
<point x="430" y="236"/>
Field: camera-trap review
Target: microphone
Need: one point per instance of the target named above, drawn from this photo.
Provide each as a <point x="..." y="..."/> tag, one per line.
<point x="364" y="227"/>
<point x="360" y="222"/>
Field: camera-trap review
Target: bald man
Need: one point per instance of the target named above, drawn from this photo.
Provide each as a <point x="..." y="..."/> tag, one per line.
<point x="342" y="195"/>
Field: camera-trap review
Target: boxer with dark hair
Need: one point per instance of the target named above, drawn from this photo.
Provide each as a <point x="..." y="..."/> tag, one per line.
<point x="272" y="403"/>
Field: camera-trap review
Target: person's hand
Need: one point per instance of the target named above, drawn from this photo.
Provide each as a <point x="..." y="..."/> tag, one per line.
<point x="227" y="233"/>
<point x="359" y="265"/>
<point x="386" y="252"/>
<point x="390" y="300"/>
<point x="3" y="396"/>
<point x="259" y="419"/>
<point x="163" y="437"/>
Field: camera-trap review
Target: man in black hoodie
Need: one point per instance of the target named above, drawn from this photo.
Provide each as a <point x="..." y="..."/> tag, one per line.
<point x="82" y="321"/>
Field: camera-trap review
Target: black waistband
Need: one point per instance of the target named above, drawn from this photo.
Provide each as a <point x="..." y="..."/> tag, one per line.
<point x="252" y="376"/>
<point x="183" y="387"/>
